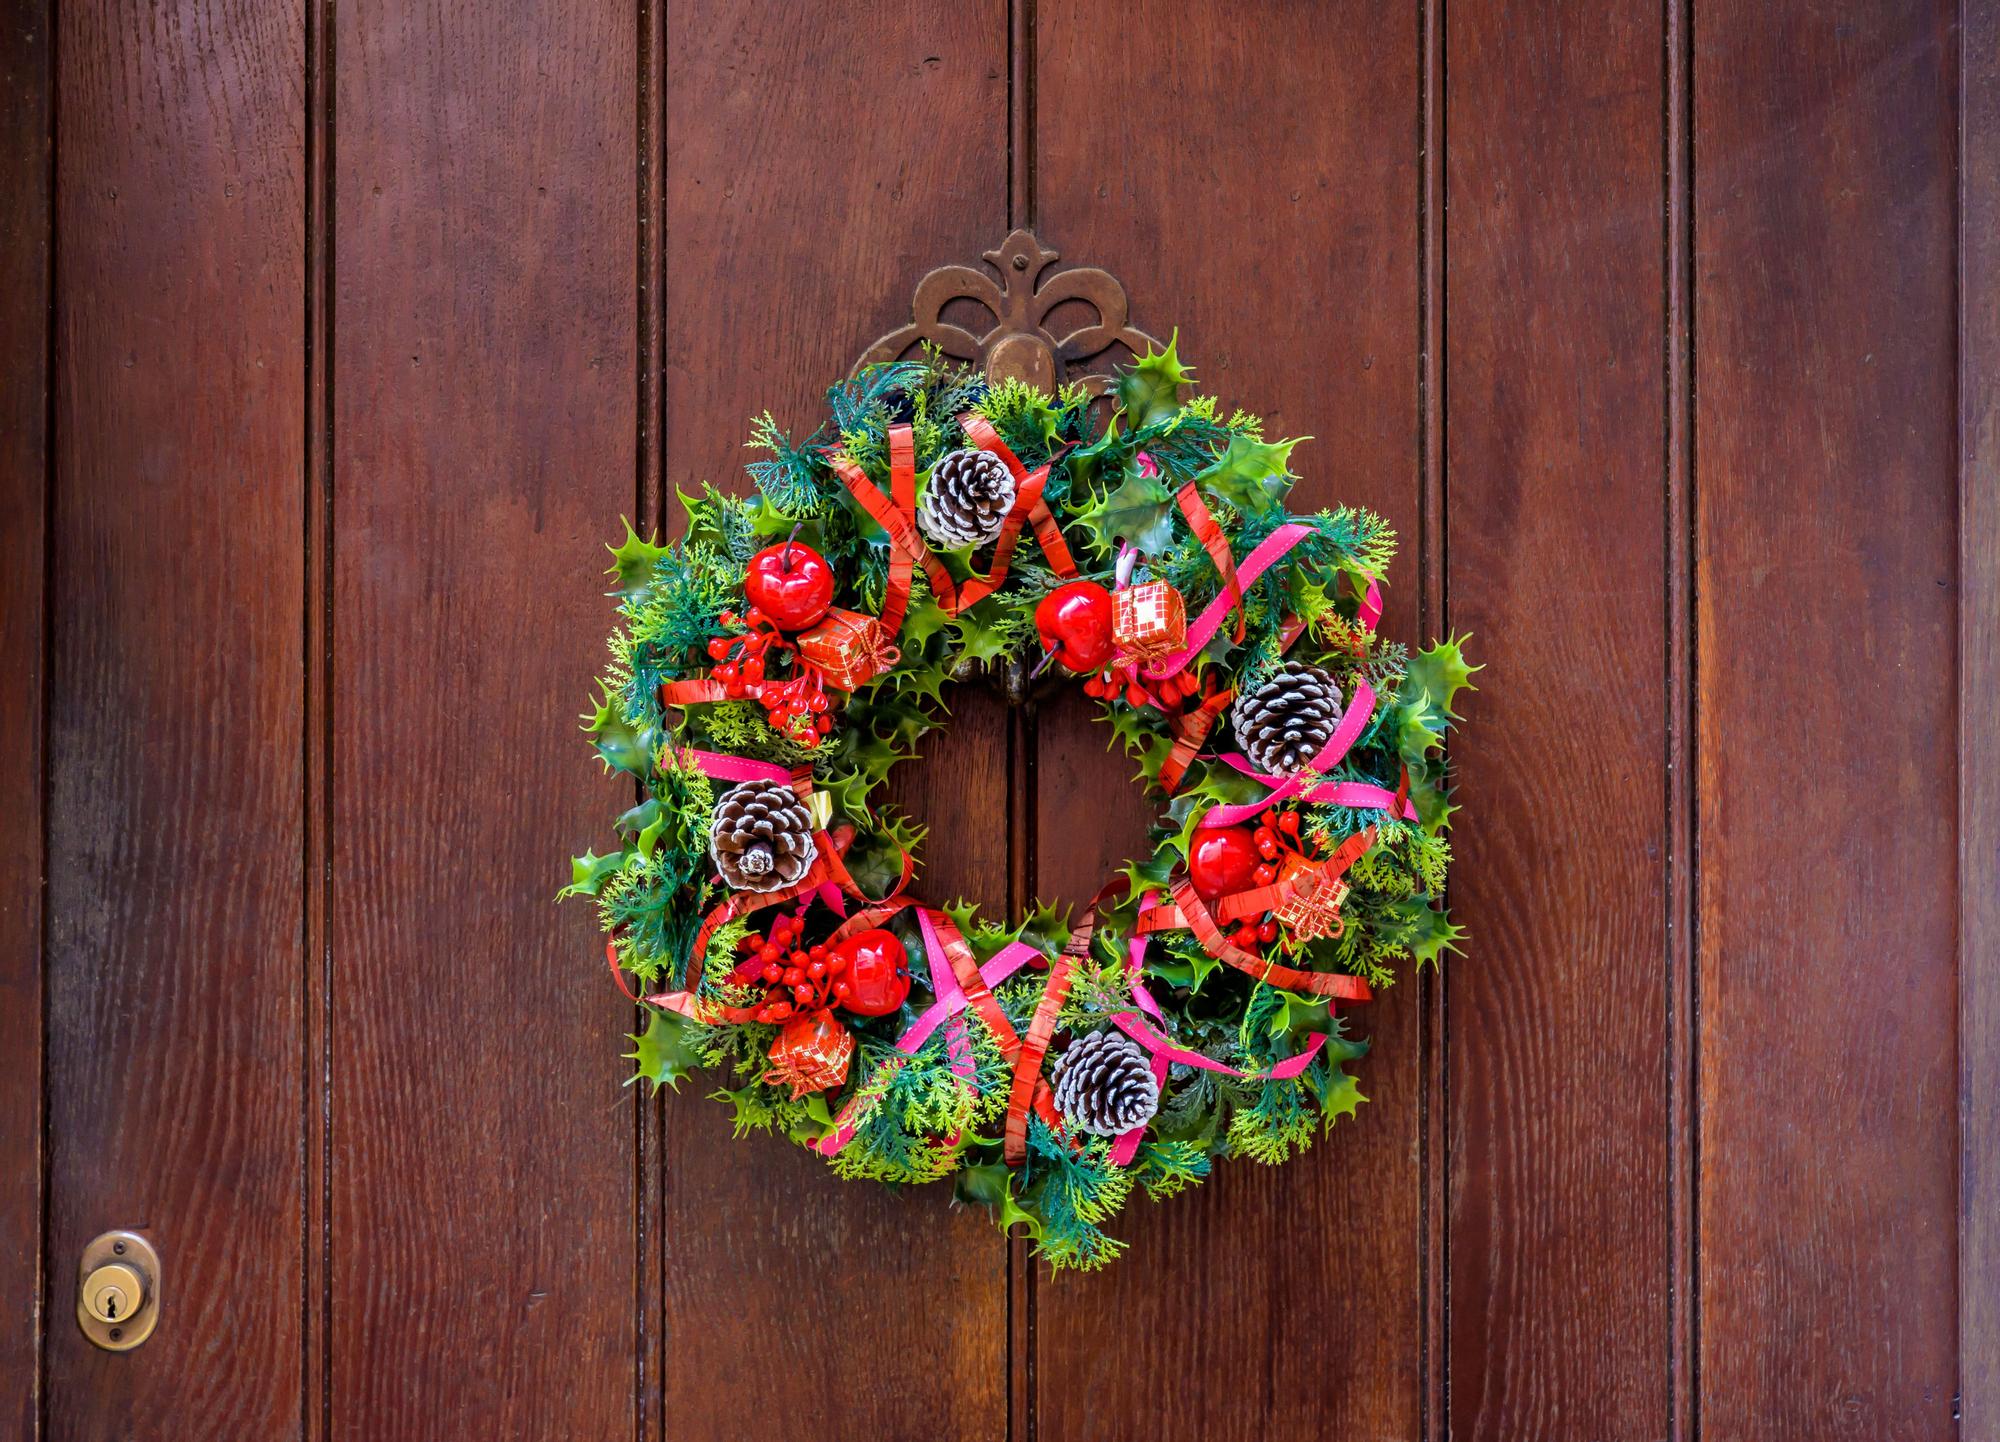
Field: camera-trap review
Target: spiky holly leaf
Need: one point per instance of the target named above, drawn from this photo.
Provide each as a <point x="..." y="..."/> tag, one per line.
<point x="1415" y="724"/>
<point x="992" y="1186"/>
<point x="620" y="745"/>
<point x="1151" y="389"/>
<point x="1251" y="475"/>
<point x="667" y="1052"/>
<point x="975" y="635"/>
<point x="1341" y="1098"/>
<point x="589" y="872"/>
<point x="632" y="563"/>
<point x="1140" y="510"/>
<point x="1433" y="931"/>
<point x="1441" y="671"/>
<point x="1139" y="730"/>
<point x="923" y="620"/>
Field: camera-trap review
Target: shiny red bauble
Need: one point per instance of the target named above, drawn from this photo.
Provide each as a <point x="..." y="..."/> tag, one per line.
<point x="1074" y="621"/>
<point x="875" y="970"/>
<point x="1222" y="861"/>
<point x="790" y="583"/>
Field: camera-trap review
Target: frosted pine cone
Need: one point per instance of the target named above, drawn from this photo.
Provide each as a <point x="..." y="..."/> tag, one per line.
<point x="1104" y="1084"/>
<point x="762" y="839"/>
<point x="967" y="500"/>
<point x="1286" y="721"/>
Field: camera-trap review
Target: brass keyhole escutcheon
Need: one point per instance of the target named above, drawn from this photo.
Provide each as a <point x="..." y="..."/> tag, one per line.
<point x="118" y="1291"/>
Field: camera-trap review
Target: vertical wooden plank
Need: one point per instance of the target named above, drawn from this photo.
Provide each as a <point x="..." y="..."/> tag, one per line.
<point x="817" y="164"/>
<point x="1558" y="1067"/>
<point x="484" y="321"/>
<point x="1825" y="428"/>
<point x="174" y="839"/>
<point x="26" y="116"/>
<point x="1979" y="751"/>
<point x="1251" y="173"/>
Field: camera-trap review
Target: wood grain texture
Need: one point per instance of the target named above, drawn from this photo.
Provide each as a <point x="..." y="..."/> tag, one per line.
<point x="484" y="320"/>
<point x="26" y="117"/>
<point x="1825" y="436"/>
<point x="174" y="840"/>
<point x="1559" y="1320"/>
<point x="1979" y="759"/>
<point x="817" y="164"/>
<point x="1256" y="185"/>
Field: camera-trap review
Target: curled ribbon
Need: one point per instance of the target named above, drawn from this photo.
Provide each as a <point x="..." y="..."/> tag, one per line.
<point x="896" y="515"/>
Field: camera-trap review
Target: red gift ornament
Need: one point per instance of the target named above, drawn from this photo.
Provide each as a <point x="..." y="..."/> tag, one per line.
<point x="1148" y="621"/>
<point x="848" y="649"/>
<point x="1313" y="909"/>
<point x="811" y="1053"/>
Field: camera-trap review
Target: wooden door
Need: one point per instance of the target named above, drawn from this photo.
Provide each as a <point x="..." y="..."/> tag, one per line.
<point x="340" y="334"/>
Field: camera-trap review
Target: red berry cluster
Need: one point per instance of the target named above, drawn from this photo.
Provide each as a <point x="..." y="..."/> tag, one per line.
<point x="797" y="978"/>
<point x="796" y="705"/>
<point x="1170" y="696"/>
<point x="1276" y="837"/>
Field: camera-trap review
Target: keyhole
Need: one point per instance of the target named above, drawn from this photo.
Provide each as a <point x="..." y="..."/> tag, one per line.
<point x="110" y="1301"/>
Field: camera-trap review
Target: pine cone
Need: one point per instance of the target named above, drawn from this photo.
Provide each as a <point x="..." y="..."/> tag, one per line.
<point x="967" y="500"/>
<point x="762" y="839"/>
<point x="1104" y="1084"/>
<point x="1283" y="723"/>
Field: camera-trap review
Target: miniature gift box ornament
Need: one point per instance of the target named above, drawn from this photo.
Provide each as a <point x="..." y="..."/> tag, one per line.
<point x="1148" y="621"/>
<point x="848" y="649"/>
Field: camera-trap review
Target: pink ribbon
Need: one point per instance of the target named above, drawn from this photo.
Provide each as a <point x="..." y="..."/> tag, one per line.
<point x="735" y="768"/>
<point x="1268" y="551"/>
<point x="1008" y="960"/>
<point x="1141" y="1031"/>
<point x="1284" y="788"/>
<point x="1127" y="1145"/>
<point x="1358" y="794"/>
<point x="1371" y="607"/>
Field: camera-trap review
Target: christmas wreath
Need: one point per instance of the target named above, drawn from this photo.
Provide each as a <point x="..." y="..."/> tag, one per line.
<point x="772" y="665"/>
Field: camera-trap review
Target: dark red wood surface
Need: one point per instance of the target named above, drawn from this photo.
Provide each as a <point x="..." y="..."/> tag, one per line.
<point x="791" y="233"/>
<point x="1978" y="679"/>
<point x="175" y="963"/>
<point x="1665" y="336"/>
<point x="481" y="1206"/>
<point x="26" y="99"/>
<point x="1263" y="200"/>
<point x="1826" y="502"/>
<point x="1557" y="537"/>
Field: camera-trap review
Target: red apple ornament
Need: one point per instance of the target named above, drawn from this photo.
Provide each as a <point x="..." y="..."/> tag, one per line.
<point x="1222" y="860"/>
<point x="873" y="971"/>
<point x="1074" y="622"/>
<point x="790" y="583"/>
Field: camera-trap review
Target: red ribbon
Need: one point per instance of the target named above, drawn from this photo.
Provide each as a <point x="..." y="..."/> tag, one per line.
<point x="1204" y="525"/>
<point x="896" y="515"/>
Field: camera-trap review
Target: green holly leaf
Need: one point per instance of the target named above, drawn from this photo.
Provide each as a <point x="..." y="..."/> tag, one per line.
<point x="589" y="872"/>
<point x="665" y="1053"/>
<point x="1251" y="475"/>
<point x="632" y="563"/>
<point x="1141" y="511"/>
<point x="975" y="634"/>
<point x="1151" y="389"/>
<point x="1441" y="672"/>
<point x="992" y="1186"/>
<point x="621" y="746"/>
<point x="1414" y="725"/>
<point x="1434" y="932"/>
<point x="923" y="620"/>
<point x="1341" y="1098"/>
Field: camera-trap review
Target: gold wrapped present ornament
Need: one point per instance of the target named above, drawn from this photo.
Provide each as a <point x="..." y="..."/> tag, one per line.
<point x="811" y="1053"/>
<point x="848" y="649"/>
<point x="1148" y="621"/>
<point x="1313" y="909"/>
